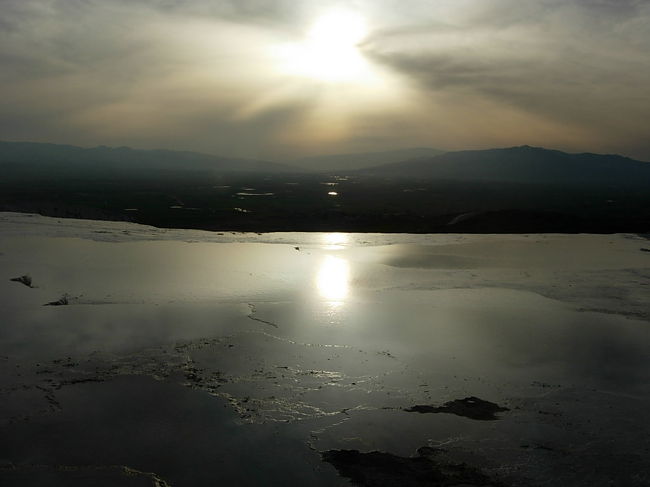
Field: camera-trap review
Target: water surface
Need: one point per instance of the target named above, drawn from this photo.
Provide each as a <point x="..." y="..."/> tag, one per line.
<point x="240" y="358"/>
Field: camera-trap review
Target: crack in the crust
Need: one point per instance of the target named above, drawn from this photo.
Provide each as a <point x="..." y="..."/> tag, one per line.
<point x="293" y="342"/>
<point x="251" y="316"/>
<point x="642" y="315"/>
<point x="156" y="480"/>
<point x="273" y="409"/>
<point x="163" y="363"/>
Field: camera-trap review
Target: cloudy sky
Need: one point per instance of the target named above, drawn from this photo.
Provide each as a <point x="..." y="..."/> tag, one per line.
<point x="278" y="79"/>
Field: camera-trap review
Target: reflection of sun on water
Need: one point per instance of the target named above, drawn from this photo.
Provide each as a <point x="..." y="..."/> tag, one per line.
<point x="333" y="280"/>
<point x="334" y="241"/>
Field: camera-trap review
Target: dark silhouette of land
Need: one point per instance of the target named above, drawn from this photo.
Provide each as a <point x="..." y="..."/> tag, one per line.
<point x="363" y="160"/>
<point x="515" y="190"/>
<point x="523" y="164"/>
<point x="22" y="157"/>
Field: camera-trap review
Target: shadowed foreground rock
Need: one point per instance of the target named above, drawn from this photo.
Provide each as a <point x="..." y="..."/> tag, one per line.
<point x="470" y="407"/>
<point x="62" y="301"/>
<point x="26" y="280"/>
<point x="378" y="469"/>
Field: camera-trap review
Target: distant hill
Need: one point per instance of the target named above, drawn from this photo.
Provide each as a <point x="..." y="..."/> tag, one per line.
<point x="520" y="165"/>
<point x="521" y="189"/>
<point x="26" y="156"/>
<point x="361" y="160"/>
<point x="523" y="164"/>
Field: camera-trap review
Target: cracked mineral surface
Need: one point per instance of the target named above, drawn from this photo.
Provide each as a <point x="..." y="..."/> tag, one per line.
<point x="187" y="358"/>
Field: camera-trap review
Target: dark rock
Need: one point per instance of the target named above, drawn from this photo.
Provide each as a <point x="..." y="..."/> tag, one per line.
<point x="470" y="407"/>
<point x="62" y="301"/>
<point x="379" y="469"/>
<point x="26" y="280"/>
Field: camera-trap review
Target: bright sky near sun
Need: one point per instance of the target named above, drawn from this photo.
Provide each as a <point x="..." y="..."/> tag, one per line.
<point x="330" y="51"/>
<point x="277" y="79"/>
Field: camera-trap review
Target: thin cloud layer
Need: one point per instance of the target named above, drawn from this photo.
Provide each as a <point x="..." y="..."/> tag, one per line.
<point x="581" y="65"/>
<point x="202" y="75"/>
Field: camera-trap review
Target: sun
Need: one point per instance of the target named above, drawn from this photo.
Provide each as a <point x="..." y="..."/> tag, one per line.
<point x="330" y="50"/>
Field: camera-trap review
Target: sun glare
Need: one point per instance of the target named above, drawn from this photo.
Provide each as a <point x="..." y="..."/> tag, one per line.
<point x="335" y="241"/>
<point x="330" y="50"/>
<point x="333" y="279"/>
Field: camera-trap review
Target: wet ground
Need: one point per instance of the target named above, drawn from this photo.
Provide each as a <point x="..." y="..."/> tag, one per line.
<point x="189" y="358"/>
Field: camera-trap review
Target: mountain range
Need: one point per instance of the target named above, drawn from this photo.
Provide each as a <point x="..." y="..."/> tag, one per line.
<point x="37" y="155"/>
<point x="362" y="160"/>
<point x="522" y="164"/>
